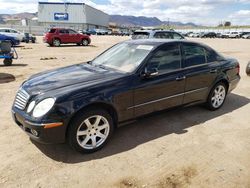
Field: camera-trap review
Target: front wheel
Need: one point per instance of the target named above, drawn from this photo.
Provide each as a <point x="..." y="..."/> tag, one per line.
<point x="90" y="130"/>
<point x="85" y="42"/>
<point x="217" y="96"/>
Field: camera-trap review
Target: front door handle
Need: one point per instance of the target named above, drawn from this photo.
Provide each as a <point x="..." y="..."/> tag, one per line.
<point x="213" y="71"/>
<point x="180" y="78"/>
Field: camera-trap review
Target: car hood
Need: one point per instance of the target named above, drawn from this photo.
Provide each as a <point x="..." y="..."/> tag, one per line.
<point x="80" y="75"/>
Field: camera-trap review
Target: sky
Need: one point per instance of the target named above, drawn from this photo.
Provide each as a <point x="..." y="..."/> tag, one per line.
<point x="204" y="12"/>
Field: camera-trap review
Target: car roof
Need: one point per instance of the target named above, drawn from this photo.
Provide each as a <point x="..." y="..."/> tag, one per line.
<point x="159" y="42"/>
<point x="8" y="28"/>
<point x="153" y="31"/>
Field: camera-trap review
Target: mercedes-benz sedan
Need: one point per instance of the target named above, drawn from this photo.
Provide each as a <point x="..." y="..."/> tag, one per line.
<point x="84" y="103"/>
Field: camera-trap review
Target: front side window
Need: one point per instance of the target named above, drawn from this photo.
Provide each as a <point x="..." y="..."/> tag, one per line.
<point x="194" y="55"/>
<point x="72" y="31"/>
<point x="166" y="59"/>
<point x="163" y="35"/>
<point x="177" y="36"/>
<point x="123" y="57"/>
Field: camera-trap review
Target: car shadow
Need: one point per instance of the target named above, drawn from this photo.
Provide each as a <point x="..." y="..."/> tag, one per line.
<point x="73" y="45"/>
<point x="14" y="65"/>
<point x="6" y="78"/>
<point x="146" y="129"/>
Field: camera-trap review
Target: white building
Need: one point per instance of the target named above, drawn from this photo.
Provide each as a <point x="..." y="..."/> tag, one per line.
<point x="74" y="15"/>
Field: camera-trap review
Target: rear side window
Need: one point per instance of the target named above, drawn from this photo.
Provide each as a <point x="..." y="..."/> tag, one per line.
<point x="166" y="59"/>
<point x="52" y="31"/>
<point x="140" y="35"/>
<point x="163" y="35"/>
<point x="194" y="55"/>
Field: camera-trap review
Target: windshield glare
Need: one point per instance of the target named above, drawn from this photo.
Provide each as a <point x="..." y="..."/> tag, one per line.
<point x="123" y="57"/>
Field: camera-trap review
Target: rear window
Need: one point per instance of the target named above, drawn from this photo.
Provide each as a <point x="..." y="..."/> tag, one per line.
<point x="52" y="30"/>
<point x="140" y="35"/>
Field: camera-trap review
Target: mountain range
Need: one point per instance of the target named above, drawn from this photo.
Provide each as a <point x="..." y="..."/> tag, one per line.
<point x="145" y="21"/>
<point x="130" y="21"/>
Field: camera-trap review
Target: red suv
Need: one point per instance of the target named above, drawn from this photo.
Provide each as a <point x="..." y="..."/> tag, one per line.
<point x="58" y="36"/>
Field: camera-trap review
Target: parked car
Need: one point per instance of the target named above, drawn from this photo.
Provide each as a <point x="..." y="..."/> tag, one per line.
<point x="85" y="32"/>
<point x="12" y="33"/>
<point x="159" y="34"/>
<point x="29" y="38"/>
<point x="14" y="41"/>
<point x="218" y="35"/>
<point x="84" y="103"/>
<point x="225" y="35"/>
<point x="101" y="32"/>
<point x="234" y="35"/>
<point x="247" y="36"/>
<point x="58" y="36"/>
<point x="194" y="35"/>
<point x="208" y="35"/>
<point x="244" y="33"/>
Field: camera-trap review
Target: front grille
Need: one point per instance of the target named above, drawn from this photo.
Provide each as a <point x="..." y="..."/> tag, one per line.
<point x="21" y="100"/>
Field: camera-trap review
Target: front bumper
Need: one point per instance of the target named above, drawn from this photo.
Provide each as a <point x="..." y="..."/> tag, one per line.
<point x="44" y="135"/>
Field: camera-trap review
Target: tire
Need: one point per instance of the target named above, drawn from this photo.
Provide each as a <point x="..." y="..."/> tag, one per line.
<point x="7" y="62"/>
<point x="85" y="136"/>
<point x="85" y="42"/>
<point x="216" y="101"/>
<point x="248" y="69"/>
<point x="56" y="42"/>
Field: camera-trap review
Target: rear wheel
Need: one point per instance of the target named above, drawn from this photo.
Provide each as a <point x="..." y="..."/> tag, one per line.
<point x="90" y="130"/>
<point x="56" y="42"/>
<point x="85" y="42"/>
<point x="217" y="96"/>
<point x="7" y="62"/>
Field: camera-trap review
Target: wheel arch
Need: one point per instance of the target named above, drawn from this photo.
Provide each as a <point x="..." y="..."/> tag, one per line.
<point x="96" y="105"/>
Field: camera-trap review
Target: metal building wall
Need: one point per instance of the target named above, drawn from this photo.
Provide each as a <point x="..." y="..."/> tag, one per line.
<point x="79" y="15"/>
<point x="96" y="17"/>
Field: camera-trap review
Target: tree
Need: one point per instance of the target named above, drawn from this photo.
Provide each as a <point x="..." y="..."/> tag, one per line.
<point x="227" y="24"/>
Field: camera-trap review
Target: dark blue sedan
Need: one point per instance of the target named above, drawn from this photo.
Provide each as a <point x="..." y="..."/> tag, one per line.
<point x="82" y="104"/>
<point x="14" y="41"/>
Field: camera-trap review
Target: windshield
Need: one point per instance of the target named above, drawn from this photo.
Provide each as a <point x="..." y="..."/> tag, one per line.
<point x="123" y="57"/>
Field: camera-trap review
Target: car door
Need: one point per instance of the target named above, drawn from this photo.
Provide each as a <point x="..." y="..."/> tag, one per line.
<point x="74" y="37"/>
<point x="64" y="35"/>
<point x="165" y="89"/>
<point x="200" y="74"/>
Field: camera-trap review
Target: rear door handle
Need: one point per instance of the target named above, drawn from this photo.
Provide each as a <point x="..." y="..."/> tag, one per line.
<point x="180" y="78"/>
<point x="213" y="71"/>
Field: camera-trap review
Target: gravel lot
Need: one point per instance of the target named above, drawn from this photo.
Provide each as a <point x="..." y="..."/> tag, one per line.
<point x="187" y="147"/>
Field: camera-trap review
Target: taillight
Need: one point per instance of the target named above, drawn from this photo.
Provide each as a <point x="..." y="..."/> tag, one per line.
<point x="238" y="68"/>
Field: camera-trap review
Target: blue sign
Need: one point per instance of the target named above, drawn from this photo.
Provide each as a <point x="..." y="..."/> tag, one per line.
<point x="61" y="16"/>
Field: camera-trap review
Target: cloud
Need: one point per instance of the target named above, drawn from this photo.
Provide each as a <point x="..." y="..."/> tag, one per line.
<point x="204" y="12"/>
<point x="241" y="17"/>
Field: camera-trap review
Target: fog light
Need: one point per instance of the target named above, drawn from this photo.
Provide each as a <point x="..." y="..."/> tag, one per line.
<point x="34" y="132"/>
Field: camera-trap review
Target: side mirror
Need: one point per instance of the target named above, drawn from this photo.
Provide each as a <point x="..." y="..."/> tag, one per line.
<point x="150" y="73"/>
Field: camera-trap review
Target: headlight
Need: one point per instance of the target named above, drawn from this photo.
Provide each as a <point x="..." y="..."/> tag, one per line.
<point x="43" y="107"/>
<point x="31" y="106"/>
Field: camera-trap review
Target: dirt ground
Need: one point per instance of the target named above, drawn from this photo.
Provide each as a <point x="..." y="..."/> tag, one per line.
<point x="188" y="147"/>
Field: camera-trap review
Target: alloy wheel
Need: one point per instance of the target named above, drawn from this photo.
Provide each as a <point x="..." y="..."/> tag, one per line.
<point x="93" y="132"/>
<point x="219" y="96"/>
